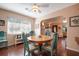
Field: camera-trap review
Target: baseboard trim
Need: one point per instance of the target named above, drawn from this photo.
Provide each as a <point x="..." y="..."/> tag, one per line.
<point x="72" y="52"/>
<point x="14" y="44"/>
<point x="72" y="49"/>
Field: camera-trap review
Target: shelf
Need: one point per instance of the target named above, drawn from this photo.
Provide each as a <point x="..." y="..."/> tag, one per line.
<point x="18" y="41"/>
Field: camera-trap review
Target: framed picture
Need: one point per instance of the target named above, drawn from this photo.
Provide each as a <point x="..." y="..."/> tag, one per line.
<point x="74" y="21"/>
<point x="2" y="23"/>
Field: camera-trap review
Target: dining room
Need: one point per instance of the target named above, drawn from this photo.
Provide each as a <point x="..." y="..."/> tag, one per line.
<point x="38" y="29"/>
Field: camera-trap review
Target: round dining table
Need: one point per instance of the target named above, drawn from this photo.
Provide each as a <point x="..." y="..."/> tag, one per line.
<point x="40" y="40"/>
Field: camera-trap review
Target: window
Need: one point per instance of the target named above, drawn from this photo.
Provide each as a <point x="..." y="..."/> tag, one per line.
<point x="17" y="26"/>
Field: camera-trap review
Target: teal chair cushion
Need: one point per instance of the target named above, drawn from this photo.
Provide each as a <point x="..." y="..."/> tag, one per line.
<point x="2" y="35"/>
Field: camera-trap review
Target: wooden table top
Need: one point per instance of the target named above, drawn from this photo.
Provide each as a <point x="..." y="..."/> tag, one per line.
<point x="42" y="38"/>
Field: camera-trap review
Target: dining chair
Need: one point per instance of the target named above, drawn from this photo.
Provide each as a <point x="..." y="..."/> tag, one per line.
<point x="54" y="44"/>
<point x="53" y="47"/>
<point x="48" y="32"/>
<point x="28" y="48"/>
<point x="32" y="33"/>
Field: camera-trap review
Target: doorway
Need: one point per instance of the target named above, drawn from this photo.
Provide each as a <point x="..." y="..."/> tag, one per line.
<point x="54" y="28"/>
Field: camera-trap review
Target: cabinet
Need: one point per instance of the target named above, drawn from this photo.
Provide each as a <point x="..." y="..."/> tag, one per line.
<point x="18" y="39"/>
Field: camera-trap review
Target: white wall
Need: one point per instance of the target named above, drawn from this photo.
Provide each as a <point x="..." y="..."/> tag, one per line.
<point x="72" y="32"/>
<point x="4" y="14"/>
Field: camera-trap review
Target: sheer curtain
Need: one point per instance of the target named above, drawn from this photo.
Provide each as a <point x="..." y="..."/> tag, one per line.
<point x="17" y="26"/>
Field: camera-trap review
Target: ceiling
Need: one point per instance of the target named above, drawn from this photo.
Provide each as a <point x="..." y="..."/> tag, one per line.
<point x="25" y="8"/>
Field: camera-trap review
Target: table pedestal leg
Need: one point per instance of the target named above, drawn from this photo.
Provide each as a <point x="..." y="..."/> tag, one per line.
<point x="40" y="49"/>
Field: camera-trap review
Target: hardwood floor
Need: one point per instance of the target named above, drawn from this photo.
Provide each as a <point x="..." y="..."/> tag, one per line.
<point x="61" y="47"/>
<point x="19" y="51"/>
<point x="12" y="51"/>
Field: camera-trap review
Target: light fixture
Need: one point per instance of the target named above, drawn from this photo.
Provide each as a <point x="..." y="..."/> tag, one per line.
<point x="49" y="24"/>
<point x="42" y="23"/>
<point x="64" y="21"/>
<point x="35" y="8"/>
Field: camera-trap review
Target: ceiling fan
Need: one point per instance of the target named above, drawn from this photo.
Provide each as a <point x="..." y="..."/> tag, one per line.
<point x="36" y="8"/>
